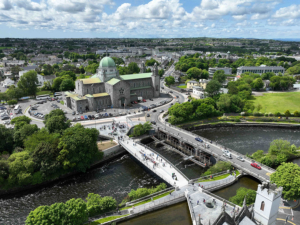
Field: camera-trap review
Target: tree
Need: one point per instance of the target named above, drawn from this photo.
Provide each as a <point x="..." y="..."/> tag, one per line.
<point x="78" y="147"/>
<point x="56" y="121"/>
<point x="169" y="80"/>
<point x="296" y="113"/>
<point x="6" y="137"/>
<point x="12" y="102"/>
<point x="161" y="72"/>
<point x="213" y="88"/>
<point x="287" y="176"/>
<point x="194" y="73"/>
<point x="20" y="121"/>
<point x="151" y="62"/>
<point x="241" y="193"/>
<point x="56" y="84"/>
<point x="258" y="84"/>
<point x="147" y="126"/>
<point x="287" y="113"/>
<point x="219" y="76"/>
<point x="15" y="71"/>
<point x="72" y="212"/>
<point x="22" y="133"/>
<point x="97" y="205"/>
<point x="67" y="85"/>
<point x="224" y="102"/>
<point x="133" y="68"/>
<point x="28" y="83"/>
<point x="31" y="142"/>
<point x="14" y="93"/>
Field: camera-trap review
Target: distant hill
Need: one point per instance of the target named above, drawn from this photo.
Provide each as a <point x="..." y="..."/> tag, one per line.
<point x="287" y="39"/>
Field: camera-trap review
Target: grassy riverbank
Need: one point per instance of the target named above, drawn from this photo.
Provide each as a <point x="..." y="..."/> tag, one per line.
<point x="107" y="219"/>
<point x="221" y="177"/>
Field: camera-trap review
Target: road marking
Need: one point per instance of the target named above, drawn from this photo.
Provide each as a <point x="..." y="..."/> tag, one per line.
<point x="284" y="207"/>
<point x="287" y="221"/>
<point x="268" y="174"/>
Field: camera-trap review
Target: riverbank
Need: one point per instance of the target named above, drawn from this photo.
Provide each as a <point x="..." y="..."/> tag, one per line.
<point x="112" y="153"/>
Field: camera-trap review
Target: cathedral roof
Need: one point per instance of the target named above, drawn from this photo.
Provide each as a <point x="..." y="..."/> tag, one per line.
<point x="136" y="76"/>
<point x="107" y="62"/>
<point x="93" y="80"/>
<point x="113" y="81"/>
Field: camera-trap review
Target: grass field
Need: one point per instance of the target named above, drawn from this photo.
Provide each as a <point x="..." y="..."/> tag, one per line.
<point x="43" y="93"/>
<point x="107" y="219"/>
<point x="5" y="48"/>
<point x="218" y="177"/>
<point x="278" y="102"/>
<point x="183" y="86"/>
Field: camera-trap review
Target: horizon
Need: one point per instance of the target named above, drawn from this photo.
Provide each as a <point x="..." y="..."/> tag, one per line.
<point x="257" y="19"/>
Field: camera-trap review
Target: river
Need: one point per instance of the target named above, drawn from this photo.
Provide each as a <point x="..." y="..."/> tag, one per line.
<point x="118" y="177"/>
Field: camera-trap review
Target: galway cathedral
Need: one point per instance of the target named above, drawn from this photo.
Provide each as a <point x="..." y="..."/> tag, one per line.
<point x="108" y="89"/>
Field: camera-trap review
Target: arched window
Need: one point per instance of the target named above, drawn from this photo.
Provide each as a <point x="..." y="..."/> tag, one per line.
<point x="262" y="206"/>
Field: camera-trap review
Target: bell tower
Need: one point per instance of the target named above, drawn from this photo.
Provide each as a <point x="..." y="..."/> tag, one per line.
<point x="155" y="81"/>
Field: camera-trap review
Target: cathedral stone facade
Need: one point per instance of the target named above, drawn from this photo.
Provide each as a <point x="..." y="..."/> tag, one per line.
<point x="108" y="89"/>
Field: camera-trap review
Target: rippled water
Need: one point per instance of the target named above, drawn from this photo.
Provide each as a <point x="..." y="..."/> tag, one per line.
<point x="248" y="140"/>
<point x="115" y="179"/>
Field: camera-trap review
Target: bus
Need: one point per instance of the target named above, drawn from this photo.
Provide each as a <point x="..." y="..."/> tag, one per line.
<point x="58" y="94"/>
<point x="17" y="108"/>
<point x="42" y="97"/>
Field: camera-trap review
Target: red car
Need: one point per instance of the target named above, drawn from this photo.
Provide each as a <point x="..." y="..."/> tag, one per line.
<point x="256" y="166"/>
<point x="82" y="117"/>
<point x="135" y="102"/>
<point x="144" y="100"/>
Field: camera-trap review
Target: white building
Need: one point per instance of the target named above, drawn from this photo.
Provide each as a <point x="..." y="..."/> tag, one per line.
<point x="198" y="93"/>
<point x="267" y="202"/>
<point x="7" y="83"/>
<point x="211" y="71"/>
<point x="260" y="69"/>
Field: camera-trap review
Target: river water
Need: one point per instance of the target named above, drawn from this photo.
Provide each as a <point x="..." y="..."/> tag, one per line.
<point x="118" y="177"/>
<point x="249" y="139"/>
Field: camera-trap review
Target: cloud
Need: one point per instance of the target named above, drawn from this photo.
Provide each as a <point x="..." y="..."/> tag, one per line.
<point x="292" y="11"/>
<point x="5" y="5"/>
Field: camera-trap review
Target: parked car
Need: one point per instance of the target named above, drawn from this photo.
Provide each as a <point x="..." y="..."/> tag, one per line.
<point x="171" y="91"/>
<point x="97" y="116"/>
<point x="255" y="165"/>
<point x="153" y="122"/>
<point x="148" y="115"/>
<point x="144" y="100"/>
<point x="82" y="117"/>
<point x="73" y="113"/>
<point x="171" y="103"/>
<point x="162" y="88"/>
<point x="227" y="154"/>
<point x="150" y="99"/>
<point x="240" y="158"/>
<point x="93" y="117"/>
<point x="74" y="118"/>
<point x="5" y="118"/>
<point x="135" y="102"/>
<point x="40" y="102"/>
<point x="85" y="117"/>
<point x="154" y="110"/>
<point x="198" y="139"/>
<point x="90" y="117"/>
<point x="78" y="117"/>
<point x="161" y="111"/>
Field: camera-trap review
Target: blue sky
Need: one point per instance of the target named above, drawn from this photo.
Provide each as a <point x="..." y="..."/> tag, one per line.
<point x="149" y="19"/>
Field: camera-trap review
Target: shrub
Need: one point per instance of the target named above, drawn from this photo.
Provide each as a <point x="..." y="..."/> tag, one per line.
<point x="271" y="114"/>
<point x="240" y="195"/>
<point x="266" y="115"/>
<point x="218" y="167"/>
<point x="277" y="114"/>
<point x="296" y="113"/>
<point x="257" y="114"/>
<point x="287" y="113"/>
<point x="237" y="120"/>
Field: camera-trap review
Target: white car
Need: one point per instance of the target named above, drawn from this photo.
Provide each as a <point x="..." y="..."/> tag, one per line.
<point x="97" y="116"/>
<point x="241" y="158"/>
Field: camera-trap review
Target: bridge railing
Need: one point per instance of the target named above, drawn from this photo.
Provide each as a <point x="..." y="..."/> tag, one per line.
<point x="192" y="212"/>
<point x="217" y="183"/>
<point x="165" y="160"/>
<point x="220" y="198"/>
<point x="221" y="146"/>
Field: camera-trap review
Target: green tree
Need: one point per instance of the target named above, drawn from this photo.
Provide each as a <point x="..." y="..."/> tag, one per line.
<point x="56" y="84"/>
<point x="56" y="121"/>
<point x="241" y="193"/>
<point x="194" y="73"/>
<point x="14" y="93"/>
<point x="287" y="113"/>
<point x="31" y="142"/>
<point x="224" y="102"/>
<point x="151" y="62"/>
<point x="12" y="102"/>
<point x="169" y="80"/>
<point x="6" y="137"/>
<point x="212" y="88"/>
<point x="67" y="85"/>
<point x="219" y="76"/>
<point x="78" y="147"/>
<point x="296" y="113"/>
<point x="133" y="68"/>
<point x="28" y="83"/>
<point x="138" y="130"/>
<point x="20" y="121"/>
<point x="147" y="126"/>
<point x="287" y="176"/>
<point x="258" y="84"/>
<point x="23" y="132"/>
<point x="161" y="72"/>
<point x="97" y="205"/>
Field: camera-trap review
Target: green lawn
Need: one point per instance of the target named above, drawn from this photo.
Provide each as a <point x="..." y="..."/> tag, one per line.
<point x="5" y="48"/>
<point x="218" y="177"/>
<point x="182" y="87"/>
<point x="107" y="219"/>
<point x="43" y="93"/>
<point x="149" y="200"/>
<point x="278" y="102"/>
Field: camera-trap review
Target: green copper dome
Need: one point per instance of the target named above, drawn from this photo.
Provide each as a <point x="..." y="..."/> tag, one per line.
<point x="107" y="62"/>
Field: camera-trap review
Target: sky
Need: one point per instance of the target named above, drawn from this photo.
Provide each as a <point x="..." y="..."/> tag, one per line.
<point x="265" y="19"/>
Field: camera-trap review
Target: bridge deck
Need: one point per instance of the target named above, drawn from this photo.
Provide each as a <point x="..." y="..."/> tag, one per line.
<point x="155" y="163"/>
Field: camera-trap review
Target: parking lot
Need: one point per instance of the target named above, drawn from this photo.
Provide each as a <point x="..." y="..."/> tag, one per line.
<point x="43" y="109"/>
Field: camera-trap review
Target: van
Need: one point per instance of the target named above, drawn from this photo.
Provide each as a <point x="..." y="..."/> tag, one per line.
<point x="228" y="155"/>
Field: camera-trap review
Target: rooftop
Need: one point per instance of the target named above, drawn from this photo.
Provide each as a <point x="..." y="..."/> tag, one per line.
<point x="100" y="95"/>
<point x="113" y="81"/>
<point x="94" y="80"/>
<point x="136" y="76"/>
